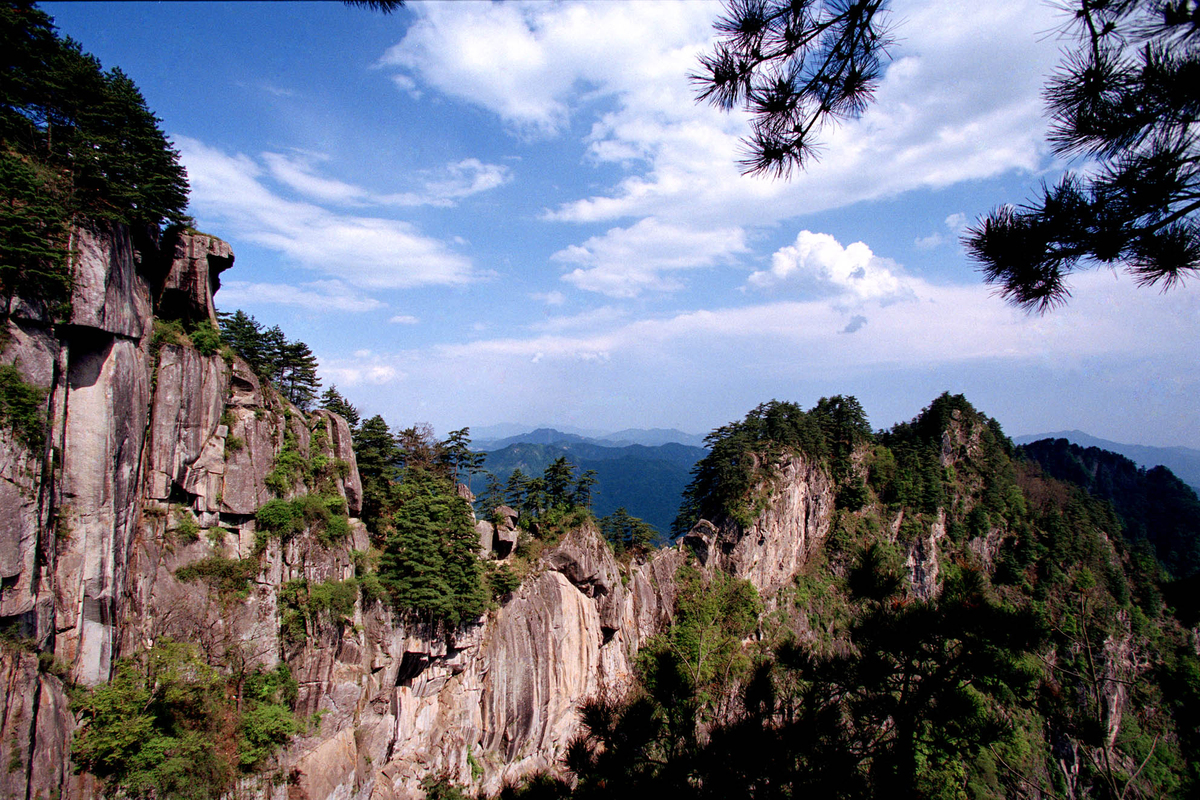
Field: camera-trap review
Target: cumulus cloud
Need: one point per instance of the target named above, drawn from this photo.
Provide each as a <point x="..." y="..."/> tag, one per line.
<point x="627" y="261"/>
<point x="371" y="252"/>
<point x="818" y="259"/>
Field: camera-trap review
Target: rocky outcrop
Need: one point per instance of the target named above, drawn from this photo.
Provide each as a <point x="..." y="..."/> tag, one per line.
<point x="195" y="262"/>
<point x="772" y="549"/>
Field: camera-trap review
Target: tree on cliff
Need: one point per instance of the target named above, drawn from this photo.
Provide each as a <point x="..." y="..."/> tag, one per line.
<point x="1126" y="100"/>
<point x="332" y="400"/>
<point x="429" y="564"/>
<point x="75" y="140"/>
<point x="289" y="365"/>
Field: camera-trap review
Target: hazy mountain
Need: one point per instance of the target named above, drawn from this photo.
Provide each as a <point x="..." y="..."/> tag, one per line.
<point x="653" y="436"/>
<point x="1183" y="461"/>
<point x="647" y="481"/>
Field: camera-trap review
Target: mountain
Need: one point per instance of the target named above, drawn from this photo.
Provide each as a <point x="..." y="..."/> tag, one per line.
<point x="538" y="436"/>
<point x="1153" y="505"/>
<point x="653" y="436"/>
<point x="646" y="481"/>
<point x="1183" y="461"/>
<point x="647" y="437"/>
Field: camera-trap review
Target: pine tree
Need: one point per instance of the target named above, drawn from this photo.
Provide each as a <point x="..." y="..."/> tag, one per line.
<point x="1123" y="103"/>
<point x="429" y="562"/>
<point x="244" y="335"/>
<point x="333" y="401"/>
<point x="297" y="374"/>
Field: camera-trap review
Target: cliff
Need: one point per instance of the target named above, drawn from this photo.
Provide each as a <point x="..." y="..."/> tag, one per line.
<point x="156" y="457"/>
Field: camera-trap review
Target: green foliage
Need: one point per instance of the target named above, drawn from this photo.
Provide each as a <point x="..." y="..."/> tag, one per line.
<point x="625" y="532"/>
<point x="302" y="605"/>
<point x="35" y="213"/>
<point x="858" y="684"/>
<point x="429" y="564"/>
<point x="333" y="401"/>
<point x="186" y="529"/>
<point x="75" y="140"/>
<point x="324" y="515"/>
<point x="500" y="580"/>
<point x="288" y="468"/>
<point x="167" y="726"/>
<point x="1153" y="505"/>
<point x="205" y="338"/>
<point x="690" y="669"/>
<point x="228" y="576"/>
<point x="22" y="408"/>
<point x="742" y="453"/>
<point x="289" y="365"/>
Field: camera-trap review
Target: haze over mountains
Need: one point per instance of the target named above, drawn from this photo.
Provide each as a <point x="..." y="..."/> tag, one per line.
<point x="496" y="437"/>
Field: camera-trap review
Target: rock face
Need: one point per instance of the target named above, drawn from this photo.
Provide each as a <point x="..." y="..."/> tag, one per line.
<point x="143" y="441"/>
<point x="782" y="538"/>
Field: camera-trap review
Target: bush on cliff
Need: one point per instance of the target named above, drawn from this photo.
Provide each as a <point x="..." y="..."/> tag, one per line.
<point x="170" y="725"/>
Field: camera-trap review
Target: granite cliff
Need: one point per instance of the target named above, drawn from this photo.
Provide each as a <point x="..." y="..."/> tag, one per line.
<point x="157" y="456"/>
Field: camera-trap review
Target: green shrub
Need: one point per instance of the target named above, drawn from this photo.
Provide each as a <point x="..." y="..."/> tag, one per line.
<point x="229" y="576"/>
<point x="187" y="529"/>
<point x="276" y="516"/>
<point x="205" y="338"/>
<point x="22" y="408"/>
<point x="234" y="444"/>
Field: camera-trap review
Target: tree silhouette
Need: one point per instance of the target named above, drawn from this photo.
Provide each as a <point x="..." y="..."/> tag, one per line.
<point x="1125" y="100"/>
<point x="795" y="65"/>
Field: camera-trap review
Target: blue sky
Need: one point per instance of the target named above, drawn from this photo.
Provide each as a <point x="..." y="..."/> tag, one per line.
<point x="481" y="213"/>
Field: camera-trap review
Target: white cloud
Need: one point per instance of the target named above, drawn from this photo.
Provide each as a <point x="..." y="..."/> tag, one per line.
<point x="314" y="296"/>
<point x="404" y="319"/>
<point x="364" y="368"/>
<point x="626" y="261"/>
<point x="372" y="252"/>
<point x="440" y="188"/>
<point x="934" y="325"/>
<point x="554" y="298"/>
<point x="955" y="223"/>
<point x="819" y="259"/>
<point x="942" y="115"/>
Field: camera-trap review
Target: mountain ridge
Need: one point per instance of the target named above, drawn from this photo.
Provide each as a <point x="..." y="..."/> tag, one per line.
<point x="1183" y="461"/>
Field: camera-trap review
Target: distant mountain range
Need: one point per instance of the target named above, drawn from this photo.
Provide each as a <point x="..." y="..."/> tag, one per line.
<point x="648" y="437"/>
<point x="1183" y="461"/>
<point x="647" y="480"/>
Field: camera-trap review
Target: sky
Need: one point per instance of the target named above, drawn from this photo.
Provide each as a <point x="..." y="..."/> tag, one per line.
<point x="480" y="213"/>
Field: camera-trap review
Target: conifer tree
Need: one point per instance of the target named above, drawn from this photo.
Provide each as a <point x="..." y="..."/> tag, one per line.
<point x="332" y="400"/>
